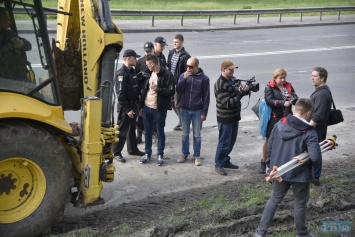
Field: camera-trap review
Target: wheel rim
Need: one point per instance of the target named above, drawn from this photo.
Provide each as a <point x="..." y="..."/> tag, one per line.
<point x="22" y="188"/>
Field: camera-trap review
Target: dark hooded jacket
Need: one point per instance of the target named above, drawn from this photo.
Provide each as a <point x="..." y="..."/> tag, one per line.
<point x="290" y="137"/>
<point x="195" y="92"/>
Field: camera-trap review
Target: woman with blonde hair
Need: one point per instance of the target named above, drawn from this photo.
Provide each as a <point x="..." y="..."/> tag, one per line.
<point x="280" y="96"/>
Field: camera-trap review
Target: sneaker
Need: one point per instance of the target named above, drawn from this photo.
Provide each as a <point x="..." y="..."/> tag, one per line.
<point x="316" y="182"/>
<point x="262" y="169"/>
<point x="145" y="159"/>
<point x="178" y="128"/>
<point x="221" y="171"/>
<point x="231" y="166"/>
<point x="160" y="161"/>
<point x="182" y="158"/>
<point x="198" y="161"/>
<point x="120" y="158"/>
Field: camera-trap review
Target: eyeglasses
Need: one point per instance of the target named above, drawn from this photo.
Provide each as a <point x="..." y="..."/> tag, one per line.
<point x="190" y="67"/>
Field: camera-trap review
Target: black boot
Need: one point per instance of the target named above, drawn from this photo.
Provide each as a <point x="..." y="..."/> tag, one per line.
<point x="262" y="169"/>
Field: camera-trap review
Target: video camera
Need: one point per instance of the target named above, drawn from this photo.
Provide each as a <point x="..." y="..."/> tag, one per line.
<point x="253" y="87"/>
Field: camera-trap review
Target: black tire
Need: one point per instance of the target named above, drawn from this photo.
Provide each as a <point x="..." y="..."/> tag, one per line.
<point x="25" y="141"/>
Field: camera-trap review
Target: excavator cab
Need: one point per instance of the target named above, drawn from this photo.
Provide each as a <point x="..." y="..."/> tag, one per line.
<point x="26" y="63"/>
<point x="44" y="163"/>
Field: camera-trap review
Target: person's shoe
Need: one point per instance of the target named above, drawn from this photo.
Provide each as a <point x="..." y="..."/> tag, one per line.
<point x="316" y="182"/>
<point x="120" y="158"/>
<point x="160" y="161"/>
<point x="182" y="158"/>
<point x="137" y="153"/>
<point x="262" y="169"/>
<point x="221" y="171"/>
<point x="231" y="166"/>
<point x="145" y="159"/>
<point x="178" y="128"/>
<point x="198" y="161"/>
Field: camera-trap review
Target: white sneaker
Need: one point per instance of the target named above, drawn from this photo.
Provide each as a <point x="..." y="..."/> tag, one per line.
<point x="198" y="161"/>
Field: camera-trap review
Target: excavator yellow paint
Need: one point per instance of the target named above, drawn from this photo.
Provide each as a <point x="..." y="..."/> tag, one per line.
<point x="26" y="187"/>
<point x="20" y="106"/>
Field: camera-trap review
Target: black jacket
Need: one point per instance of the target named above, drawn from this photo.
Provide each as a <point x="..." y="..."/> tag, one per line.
<point x="162" y="59"/>
<point x="274" y="99"/>
<point x="181" y="63"/>
<point x="165" y="90"/>
<point x="290" y="137"/>
<point x="322" y="103"/>
<point x="127" y="89"/>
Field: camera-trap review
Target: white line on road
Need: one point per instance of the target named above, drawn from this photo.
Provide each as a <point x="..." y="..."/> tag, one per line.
<point x="261" y="53"/>
<point x="275" y="52"/>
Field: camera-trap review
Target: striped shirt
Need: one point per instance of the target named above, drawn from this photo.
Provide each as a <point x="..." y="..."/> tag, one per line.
<point x="174" y="60"/>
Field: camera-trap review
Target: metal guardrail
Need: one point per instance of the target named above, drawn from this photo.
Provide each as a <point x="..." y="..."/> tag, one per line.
<point x="235" y="13"/>
<point x="210" y="13"/>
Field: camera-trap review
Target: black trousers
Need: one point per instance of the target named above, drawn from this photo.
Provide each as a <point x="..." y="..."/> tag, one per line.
<point x="127" y="131"/>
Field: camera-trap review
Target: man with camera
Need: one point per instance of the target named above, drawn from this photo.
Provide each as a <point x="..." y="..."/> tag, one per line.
<point x="228" y="92"/>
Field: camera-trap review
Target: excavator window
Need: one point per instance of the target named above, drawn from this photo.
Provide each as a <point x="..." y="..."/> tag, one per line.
<point x="26" y="64"/>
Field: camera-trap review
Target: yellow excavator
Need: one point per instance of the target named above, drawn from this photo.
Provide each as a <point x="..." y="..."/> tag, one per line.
<point x="45" y="161"/>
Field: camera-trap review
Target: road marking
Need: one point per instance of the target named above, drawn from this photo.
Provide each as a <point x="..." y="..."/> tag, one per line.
<point x="260" y="54"/>
<point x="276" y="52"/>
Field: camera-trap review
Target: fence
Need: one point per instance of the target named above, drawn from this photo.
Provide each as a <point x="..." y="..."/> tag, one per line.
<point x="235" y="13"/>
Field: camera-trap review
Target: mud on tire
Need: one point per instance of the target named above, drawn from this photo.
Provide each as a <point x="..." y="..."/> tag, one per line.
<point x="29" y="146"/>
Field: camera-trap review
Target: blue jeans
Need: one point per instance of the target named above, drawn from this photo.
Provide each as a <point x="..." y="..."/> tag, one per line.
<point x="189" y="116"/>
<point x="227" y="136"/>
<point x="300" y="195"/>
<point x="149" y="116"/>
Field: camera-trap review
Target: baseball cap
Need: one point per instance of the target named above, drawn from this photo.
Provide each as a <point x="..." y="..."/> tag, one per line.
<point x="227" y="64"/>
<point x="148" y="46"/>
<point x="130" y="52"/>
<point x="160" y="40"/>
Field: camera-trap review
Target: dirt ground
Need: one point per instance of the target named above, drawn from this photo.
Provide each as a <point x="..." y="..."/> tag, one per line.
<point x="185" y="200"/>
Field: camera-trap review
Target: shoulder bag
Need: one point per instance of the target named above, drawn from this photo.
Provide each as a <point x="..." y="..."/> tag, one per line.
<point x="335" y="115"/>
<point x="255" y="108"/>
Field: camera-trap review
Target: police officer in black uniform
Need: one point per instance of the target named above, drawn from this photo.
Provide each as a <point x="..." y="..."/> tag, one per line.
<point x="127" y="89"/>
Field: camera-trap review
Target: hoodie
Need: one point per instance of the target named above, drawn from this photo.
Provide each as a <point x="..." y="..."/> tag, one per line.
<point x="195" y="92"/>
<point x="290" y="137"/>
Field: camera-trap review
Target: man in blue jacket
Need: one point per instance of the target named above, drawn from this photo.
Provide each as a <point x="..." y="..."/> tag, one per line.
<point x="194" y="88"/>
<point x="290" y="137"/>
